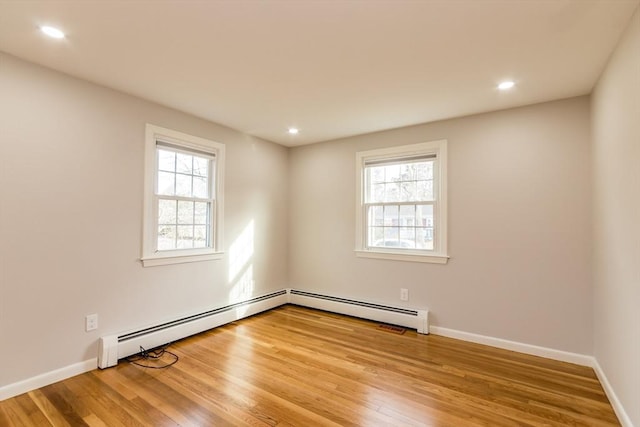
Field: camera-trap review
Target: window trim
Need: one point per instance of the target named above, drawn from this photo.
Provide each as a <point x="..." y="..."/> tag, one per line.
<point x="440" y="254"/>
<point x="150" y="256"/>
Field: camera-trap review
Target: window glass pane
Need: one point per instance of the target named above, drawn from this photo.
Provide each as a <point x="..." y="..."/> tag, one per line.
<point x="420" y="238"/>
<point x="185" y="237"/>
<point x="200" y="236"/>
<point x="376" y="235"/>
<point x="390" y="237"/>
<point x="185" y="212"/>
<point x="166" y="160"/>
<point x="184" y="163"/>
<point x="392" y="173"/>
<point x="424" y="238"/>
<point x="425" y="190"/>
<point x="428" y="235"/>
<point x="183" y="185"/>
<point x="166" y="237"/>
<point x="166" y="183"/>
<point x="408" y="191"/>
<point x="376" y="174"/>
<point x="408" y="171"/>
<point x="391" y="216"/>
<point x="201" y="214"/>
<point x="407" y="238"/>
<point x="408" y="215"/>
<point x="377" y="213"/>
<point x="200" y="166"/>
<point x="166" y="211"/>
<point x="424" y="215"/>
<point x="376" y="193"/>
<point x="391" y="192"/>
<point x="424" y="170"/>
<point x="200" y="187"/>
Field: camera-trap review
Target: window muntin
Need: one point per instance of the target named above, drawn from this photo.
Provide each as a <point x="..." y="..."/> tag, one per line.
<point x="401" y="208"/>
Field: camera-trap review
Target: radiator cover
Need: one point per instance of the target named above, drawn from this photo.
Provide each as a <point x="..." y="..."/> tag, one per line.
<point x="115" y="347"/>
<point x="111" y="348"/>
<point x="409" y="318"/>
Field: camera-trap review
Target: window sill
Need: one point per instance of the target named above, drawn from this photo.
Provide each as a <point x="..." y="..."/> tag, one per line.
<point x="167" y="259"/>
<point x="396" y="256"/>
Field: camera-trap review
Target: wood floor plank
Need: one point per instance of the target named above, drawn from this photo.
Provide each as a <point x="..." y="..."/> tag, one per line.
<point x="294" y="366"/>
<point x="98" y="400"/>
<point x="324" y="364"/>
<point x="171" y="402"/>
<point x="59" y="396"/>
<point x="385" y="378"/>
<point x="13" y="413"/>
<point x="264" y="405"/>
<point x="48" y="410"/>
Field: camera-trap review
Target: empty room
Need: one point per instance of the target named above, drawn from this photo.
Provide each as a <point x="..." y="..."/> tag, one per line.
<point x="320" y="213"/>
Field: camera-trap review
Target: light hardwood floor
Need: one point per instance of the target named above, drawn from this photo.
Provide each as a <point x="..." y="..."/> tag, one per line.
<point x="294" y="366"/>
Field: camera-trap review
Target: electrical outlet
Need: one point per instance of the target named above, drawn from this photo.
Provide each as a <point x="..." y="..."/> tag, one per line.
<point x="91" y="322"/>
<point x="404" y="294"/>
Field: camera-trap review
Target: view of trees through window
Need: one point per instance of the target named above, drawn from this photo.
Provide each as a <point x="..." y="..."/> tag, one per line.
<point x="184" y="200"/>
<point x="399" y="203"/>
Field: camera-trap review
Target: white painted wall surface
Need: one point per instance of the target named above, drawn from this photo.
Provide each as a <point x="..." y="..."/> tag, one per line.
<point x="616" y="207"/>
<point x="71" y="186"/>
<point x="519" y="226"/>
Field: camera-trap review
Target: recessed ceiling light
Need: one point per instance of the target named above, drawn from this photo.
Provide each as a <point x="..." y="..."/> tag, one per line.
<point x="293" y="131"/>
<point x="52" y="32"/>
<point x="506" y="85"/>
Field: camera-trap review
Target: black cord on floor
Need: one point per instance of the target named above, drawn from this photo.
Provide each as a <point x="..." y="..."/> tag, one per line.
<point x="153" y="356"/>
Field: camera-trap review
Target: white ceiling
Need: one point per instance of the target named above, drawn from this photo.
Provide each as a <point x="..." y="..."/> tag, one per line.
<point x="331" y="68"/>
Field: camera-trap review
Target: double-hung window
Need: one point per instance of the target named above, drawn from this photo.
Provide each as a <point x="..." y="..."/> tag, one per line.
<point x="401" y="206"/>
<point x="183" y="197"/>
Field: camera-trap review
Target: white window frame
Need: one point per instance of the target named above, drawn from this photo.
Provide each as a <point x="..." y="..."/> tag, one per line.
<point x="439" y="254"/>
<point x="190" y="144"/>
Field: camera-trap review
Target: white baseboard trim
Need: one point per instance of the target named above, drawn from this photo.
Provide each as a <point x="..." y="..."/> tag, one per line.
<point x="47" y="378"/>
<point x="534" y="350"/>
<point x="623" y="417"/>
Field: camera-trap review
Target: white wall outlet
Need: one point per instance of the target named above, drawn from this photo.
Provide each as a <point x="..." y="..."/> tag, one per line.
<point x="91" y="322"/>
<point x="404" y="294"/>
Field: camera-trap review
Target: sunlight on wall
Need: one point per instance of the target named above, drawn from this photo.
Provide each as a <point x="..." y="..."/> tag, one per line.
<point x="242" y="289"/>
<point x="241" y="251"/>
<point x="240" y="267"/>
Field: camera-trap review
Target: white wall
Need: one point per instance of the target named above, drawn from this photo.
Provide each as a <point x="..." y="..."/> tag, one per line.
<point x="616" y="207"/>
<point x="71" y="175"/>
<point x="519" y="226"/>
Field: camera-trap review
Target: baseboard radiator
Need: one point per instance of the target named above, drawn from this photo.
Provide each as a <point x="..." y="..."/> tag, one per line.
<point x="114" y="347"/>
<point x="111" y="348"/>
<point x="414" y="319"/>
